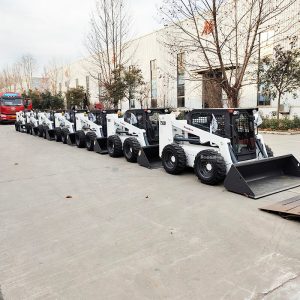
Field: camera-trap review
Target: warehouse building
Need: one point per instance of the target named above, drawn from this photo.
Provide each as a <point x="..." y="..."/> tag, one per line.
<point x="172" y="84"/>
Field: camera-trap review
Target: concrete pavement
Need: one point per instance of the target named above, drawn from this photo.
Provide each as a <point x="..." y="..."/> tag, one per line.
<point x="131" y="233"/>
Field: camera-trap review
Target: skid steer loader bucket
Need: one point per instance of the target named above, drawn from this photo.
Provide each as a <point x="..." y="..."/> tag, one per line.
<point x="50" y="134"/>
<point x="257" y="179"/>
<point x="101" y="145"/>
<point x="71" y="139"/>
<point x="149" y="157"/>
<point x="35" y="131"/>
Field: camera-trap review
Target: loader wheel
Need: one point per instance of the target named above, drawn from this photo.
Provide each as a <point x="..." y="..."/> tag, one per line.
<point x="45" y="129"/>
<point x="173" y="159"/>
<point x="30" y="129"/>
<point x="27" y="127"/>
<point x="64" y="135"/>
<point x="80" y="139"/>
<point x="58" y="134"/>
<point x="210" y="167"/>
<point x="114" y="146"/>
<point x="17" y="126"/>
<point x="90" y="140"/>
<point x="269" y="151"/>
<point x="131" y="148"/>
<point x="41" y="130"/>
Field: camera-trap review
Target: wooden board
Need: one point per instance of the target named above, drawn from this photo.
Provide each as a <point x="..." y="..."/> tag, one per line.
<point x="289" y="207"/>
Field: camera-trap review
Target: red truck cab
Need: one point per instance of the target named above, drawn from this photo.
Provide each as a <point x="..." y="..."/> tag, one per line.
<point x="10" y="103"/>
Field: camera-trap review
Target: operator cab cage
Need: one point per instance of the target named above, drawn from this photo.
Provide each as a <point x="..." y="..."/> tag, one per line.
<point x="98" y="116"/>
<point x="234" y="124"/>
<point x="70" y="114"/>
<point x="147" y="119"/>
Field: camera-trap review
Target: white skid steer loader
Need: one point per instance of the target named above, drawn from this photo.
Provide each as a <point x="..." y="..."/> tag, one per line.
<point x="65" y="126"/>
<point x="21" y="120"/>
<point x="90" y="132"/>
<point x="46" y="125"/>
<point x="222" y="144"/>
<point x="32" y="123"/>
<point x="137" y="131"/>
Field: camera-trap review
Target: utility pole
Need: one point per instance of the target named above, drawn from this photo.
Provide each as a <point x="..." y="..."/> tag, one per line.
<point x="258" y="69"/>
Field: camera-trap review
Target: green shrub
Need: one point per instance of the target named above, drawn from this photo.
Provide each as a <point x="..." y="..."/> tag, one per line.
<point x="45" y="100"/>
<point x="282" y="124"/>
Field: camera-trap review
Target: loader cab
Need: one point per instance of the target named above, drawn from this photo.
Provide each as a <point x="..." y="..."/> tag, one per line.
<point x="147" y="119"/>
<point x="71" y="115"/>
<point x="234" y="124"/>
<point x="99" y="117"/>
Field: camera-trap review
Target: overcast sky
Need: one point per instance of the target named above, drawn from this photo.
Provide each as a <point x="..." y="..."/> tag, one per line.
<point x="57" y="28"/>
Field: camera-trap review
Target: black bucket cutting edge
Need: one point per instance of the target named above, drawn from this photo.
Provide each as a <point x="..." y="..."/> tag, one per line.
<point x="71" y="139"/>
<point x="35" y="131"/>
<point x="149" y="157"/>
<point x="260" y="178"/>
<point x="50" y="134"/>
<point x="101" y="145"/>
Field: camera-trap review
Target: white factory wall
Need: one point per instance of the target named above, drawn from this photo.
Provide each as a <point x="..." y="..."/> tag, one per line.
<point x="149" y="47"/>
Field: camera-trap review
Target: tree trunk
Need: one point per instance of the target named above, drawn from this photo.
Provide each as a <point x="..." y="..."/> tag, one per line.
<point x="232" y="96"/>
<point x="278" y="105"/>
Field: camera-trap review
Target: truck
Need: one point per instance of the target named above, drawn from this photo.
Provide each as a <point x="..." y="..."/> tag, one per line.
<point x="10" y="104"/>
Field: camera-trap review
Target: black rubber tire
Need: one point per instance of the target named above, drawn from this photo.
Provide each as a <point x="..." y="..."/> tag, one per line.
<point x="90" y="140"/>
<point x="80" y="139"/>
<point x="64" y="135"/>
<point x="45" y="129"/>
<point x="41" y="131"/>
<point x="17" y="126"/>
<point x="30" y="129"/>
<point x="269" y="151"/>
<point x="57" y="134"/>
<point x="131" y="148"/>
<point x="27" y="128"/>
<point x="216" y="172"/>
<point x="114" y="146"/>
<point x="173" y="159"/>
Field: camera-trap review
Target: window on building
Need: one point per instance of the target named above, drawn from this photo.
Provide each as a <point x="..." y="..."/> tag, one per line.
<point x="60" y="87"/>
<point x="180" y="80"/>
<point x="262" y="96"/>
<point x="77" y="82"/>
<point x="153" y="74"/>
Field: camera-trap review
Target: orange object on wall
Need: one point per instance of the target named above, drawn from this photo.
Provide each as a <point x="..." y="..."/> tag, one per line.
<point x="208" y="27"/>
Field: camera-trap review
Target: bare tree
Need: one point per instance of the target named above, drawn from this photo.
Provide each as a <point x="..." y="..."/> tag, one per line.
<point x="220" y="37"/>
<point x="106" y="40"/>
<point x="8" y="80"/>
<point x="51" y="75"/>
<point x="142" y="95"/>
<point x="16" y="72"/>
<point x="28" y="65"/>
